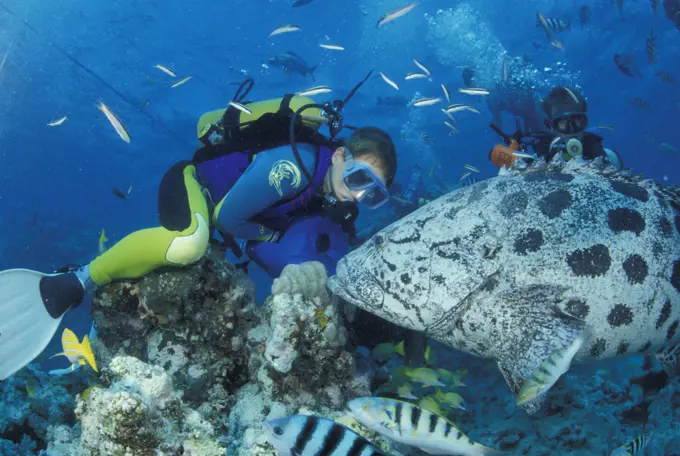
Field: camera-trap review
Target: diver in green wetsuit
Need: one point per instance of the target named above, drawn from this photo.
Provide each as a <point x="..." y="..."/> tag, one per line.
<point x="272" y="196"/>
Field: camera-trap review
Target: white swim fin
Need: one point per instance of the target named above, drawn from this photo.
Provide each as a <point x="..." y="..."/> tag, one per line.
<point x="32" y="305"/>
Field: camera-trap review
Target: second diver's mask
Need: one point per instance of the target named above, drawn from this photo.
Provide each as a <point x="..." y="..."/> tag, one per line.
<point x="570" y="123"/>
<point x="367" y="188"/>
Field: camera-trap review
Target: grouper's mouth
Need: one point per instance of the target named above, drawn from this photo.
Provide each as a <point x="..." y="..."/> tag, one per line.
<point x="355" y="286"/>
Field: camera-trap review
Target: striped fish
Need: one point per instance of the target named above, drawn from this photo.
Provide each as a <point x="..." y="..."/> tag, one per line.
<point x="554" y="24"/>
<point x="633" y="448"/>
<point x="306" y="435"/>
<point x="406" y="423"/>
<point x="550" y="371"/>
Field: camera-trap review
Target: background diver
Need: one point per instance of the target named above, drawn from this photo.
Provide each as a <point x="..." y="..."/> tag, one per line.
<point x="566" y="121"/>
<point x="290" y="204"/>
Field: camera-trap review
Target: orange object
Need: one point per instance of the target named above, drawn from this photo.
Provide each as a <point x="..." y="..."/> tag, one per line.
<point x="502" y="154"/>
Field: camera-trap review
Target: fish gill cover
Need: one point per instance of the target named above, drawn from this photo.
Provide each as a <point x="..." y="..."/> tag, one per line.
<point x="99" y="100"/>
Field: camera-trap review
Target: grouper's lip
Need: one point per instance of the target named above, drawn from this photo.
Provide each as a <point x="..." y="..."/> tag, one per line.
<point x="337" y="287"/>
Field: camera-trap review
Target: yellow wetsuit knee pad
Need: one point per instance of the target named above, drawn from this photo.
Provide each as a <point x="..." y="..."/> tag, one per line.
<point x="190" y="248"/>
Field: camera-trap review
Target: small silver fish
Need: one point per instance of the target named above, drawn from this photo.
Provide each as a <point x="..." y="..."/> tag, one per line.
<point x="389" y="82"/>
<point x="115" y="122"/>
<point x="165" y="70"/>
<point x="332" y="47"/>
<point x="314" y="91"/>
<point x="462" y="107"/>
<point x="505" y="67"/>
<point x="448" y="114"/>
<point x="396" y="14"/>
<point x="56" y="123"/>
<point x="182" y="81"/>
<point x="415" y="76"/>
<point x="426" y="102"/>
<point x="447" y="94"/>
<point x="463" y="176"/>
<point x="453" y="128"/>
<point x="523" y="155"/>
<point x="474" y="91"/>
<point x="471" y="168"/>
<point x="285" y="29"/>
<point x="240" y="107"/>
<point x="422" y="67"/>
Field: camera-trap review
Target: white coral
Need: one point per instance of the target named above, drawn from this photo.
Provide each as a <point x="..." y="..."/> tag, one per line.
<point x="308" y="279"/>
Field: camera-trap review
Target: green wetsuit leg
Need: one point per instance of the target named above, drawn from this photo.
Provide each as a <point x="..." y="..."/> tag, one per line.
<point x="181" y="240"/>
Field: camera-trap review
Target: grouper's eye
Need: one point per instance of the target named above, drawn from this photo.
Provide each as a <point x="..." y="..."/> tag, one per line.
<point x="378" y="240"/>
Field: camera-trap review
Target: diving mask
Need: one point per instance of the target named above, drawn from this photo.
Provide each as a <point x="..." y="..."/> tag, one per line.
<point x="367" y="188"/>
<point x="570" y="123"/>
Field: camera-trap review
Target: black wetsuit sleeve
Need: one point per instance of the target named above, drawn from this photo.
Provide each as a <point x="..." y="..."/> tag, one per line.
<point x="541" y="144"/>
<point x="592" y="146"/>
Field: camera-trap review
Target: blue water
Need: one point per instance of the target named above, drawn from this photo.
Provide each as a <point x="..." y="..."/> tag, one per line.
<point x="61" y="58"/>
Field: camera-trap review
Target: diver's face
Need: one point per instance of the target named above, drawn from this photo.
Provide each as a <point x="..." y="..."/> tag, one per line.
<point x="339" y="188"/>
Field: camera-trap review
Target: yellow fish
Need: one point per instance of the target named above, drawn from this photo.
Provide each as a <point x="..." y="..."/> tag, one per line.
<point x="77" y="352"/>
<point x="102" y="240"/>
<point x="88" y="391"/>
<point x="429" y="403"/>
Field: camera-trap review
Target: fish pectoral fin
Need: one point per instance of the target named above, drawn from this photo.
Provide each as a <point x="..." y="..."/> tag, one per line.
<point x="538" y="327"/>
<point x="670" y="359"/>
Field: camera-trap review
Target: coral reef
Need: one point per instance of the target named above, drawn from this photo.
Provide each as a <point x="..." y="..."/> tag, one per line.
<point x="190" y="365"/>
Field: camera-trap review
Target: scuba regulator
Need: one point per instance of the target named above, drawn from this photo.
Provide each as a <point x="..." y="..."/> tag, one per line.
<point x="343" y="213"/>
<point x="569" y="149"/>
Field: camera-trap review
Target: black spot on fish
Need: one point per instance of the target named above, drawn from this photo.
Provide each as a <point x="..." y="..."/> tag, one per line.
<point x="622" y="349"/>
<point x="513" y="204"/>
<point x="665" y="314"/>
<point x="392" y="267"/>
<point x="422" y="258"/>
<point x="620" y="315"/>
<point x="645" y="347"/>
<point x="636" y="269"/>
<point x="530" y="241"/>
<point x="421" y="223"/>
<point x="553" y="204"/>
<point x="406" y="239"/>
<point x="665" y="226"/>
<point x="405" y="278"/>
<point x="592" y="262"/>
<point x="577" y="308"/>
<point x="623" y="219"/>
<point x="672" y="329"/>
<point x="455" y="256"/>
<point x="439" y="279"/>
<point x="599" y="348"/>
<point x="631" y="190"/>
<point x="677" y="223"/>
<point x="675" y="276"/>
<point x="422" y="269"/>
<point x="542" y="177"/>
<point x="451" y="213"/>
<point x="447" y="429"/>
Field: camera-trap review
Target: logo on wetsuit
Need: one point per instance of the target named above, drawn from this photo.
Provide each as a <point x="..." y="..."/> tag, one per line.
<point x="284" y="170"/>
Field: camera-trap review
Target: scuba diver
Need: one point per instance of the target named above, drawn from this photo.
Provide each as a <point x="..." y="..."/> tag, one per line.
<point x="566" y="120"/>
<point x="264" y="174"/>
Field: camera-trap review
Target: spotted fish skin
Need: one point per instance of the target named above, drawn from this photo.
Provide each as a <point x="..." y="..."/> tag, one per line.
<point x="633" y="448"/>
<point x="411" y="425"/>
<point x="307" y="435"/>
<point x="500" y="269"/>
